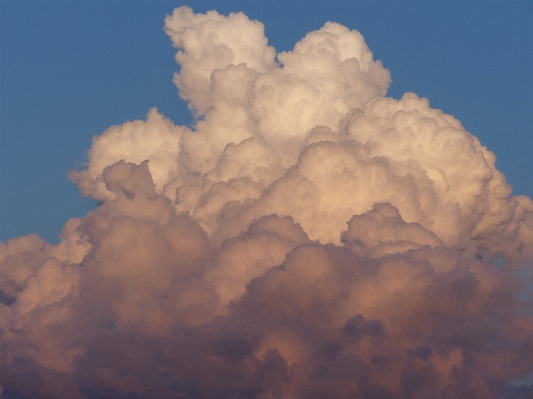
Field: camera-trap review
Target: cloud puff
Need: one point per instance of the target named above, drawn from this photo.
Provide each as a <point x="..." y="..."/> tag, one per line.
<point x="308" y="238"/>
<point x="157" y="139"/>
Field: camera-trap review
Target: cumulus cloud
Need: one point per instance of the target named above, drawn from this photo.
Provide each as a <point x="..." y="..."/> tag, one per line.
<point x="308" y="238"/>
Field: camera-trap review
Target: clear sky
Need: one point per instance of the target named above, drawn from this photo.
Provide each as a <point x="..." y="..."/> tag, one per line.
<point x="71" y="69"/>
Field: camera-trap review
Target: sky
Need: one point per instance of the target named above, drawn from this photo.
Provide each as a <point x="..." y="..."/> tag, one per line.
<point x="71" y="69"/>
<point x="284" y="202"/>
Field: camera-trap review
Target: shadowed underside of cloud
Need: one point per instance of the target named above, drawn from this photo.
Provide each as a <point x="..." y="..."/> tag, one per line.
<point x="309" y="238"/>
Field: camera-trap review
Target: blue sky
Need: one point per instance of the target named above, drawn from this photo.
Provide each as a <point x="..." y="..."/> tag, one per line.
<point x="69" y="70"/>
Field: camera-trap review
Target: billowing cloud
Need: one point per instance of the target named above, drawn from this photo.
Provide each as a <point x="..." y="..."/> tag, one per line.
<point x="308" y="238"/>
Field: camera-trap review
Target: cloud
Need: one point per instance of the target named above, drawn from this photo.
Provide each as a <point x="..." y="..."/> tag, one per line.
<point x="157" y="139"/>
<point x="308" y="238"/>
